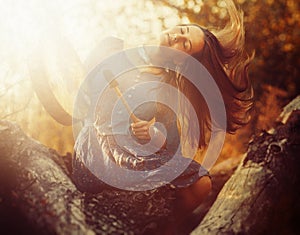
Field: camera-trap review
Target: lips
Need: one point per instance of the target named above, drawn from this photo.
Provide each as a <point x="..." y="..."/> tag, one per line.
<point x="169" y="39"/>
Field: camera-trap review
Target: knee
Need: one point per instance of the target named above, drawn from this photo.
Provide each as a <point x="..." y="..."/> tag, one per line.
<point x="202" y="187"/>
<point x="194" y="195"/>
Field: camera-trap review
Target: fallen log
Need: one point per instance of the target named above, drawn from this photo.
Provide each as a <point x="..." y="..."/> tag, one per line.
<point x="38" y="196"/>
<point x="262" y="196"/>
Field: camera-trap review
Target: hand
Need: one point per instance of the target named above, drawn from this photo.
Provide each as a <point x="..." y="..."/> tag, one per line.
<point x="144" y="131"/>
<point x="141" y="130"/>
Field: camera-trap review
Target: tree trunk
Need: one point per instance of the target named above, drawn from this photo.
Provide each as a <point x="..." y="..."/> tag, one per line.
<point x="262" y="196"/>
<point x="37" y="195"/>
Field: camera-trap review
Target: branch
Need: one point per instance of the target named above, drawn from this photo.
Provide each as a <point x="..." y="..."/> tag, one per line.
<point x="17" y="111"/>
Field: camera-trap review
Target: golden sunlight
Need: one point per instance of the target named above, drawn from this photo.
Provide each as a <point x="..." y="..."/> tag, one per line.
<point x="49" y="43"/>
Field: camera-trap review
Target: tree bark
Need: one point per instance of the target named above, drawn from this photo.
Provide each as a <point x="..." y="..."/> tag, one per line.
<point x="262" y="196"/>
<point x="38" y="196"/>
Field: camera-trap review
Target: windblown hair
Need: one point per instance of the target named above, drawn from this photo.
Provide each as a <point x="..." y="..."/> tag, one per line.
<point x="224" y="57"/>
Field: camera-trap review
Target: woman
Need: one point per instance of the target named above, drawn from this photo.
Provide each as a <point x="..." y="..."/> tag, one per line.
<point x="222" y="55"/>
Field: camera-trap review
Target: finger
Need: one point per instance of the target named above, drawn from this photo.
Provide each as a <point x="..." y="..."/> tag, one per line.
<point x="141" y="133"/>
<point x="140" y="124"/>
<point x="143" y="137"/>
<point x="143" y="129"/>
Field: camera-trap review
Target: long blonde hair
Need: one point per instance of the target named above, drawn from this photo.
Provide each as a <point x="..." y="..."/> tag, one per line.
<point x="224" y="57"/>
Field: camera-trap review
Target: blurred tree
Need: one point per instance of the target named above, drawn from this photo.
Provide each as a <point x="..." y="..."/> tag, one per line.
<point x="272" y="30"/>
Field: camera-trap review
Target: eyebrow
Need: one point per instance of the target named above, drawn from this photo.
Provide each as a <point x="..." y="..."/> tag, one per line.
<point x="188" y="30"/>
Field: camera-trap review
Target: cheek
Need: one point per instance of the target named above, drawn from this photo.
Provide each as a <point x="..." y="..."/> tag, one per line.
<point x="163" y="40"/>
<point x="178" y="47"/>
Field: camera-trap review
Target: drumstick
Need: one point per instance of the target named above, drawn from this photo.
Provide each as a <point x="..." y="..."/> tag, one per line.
<point x="115" y="85"/>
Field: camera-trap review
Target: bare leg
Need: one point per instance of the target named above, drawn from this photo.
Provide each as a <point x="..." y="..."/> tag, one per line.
<point x="191" y="197"/>
<point x="187" y="200"/>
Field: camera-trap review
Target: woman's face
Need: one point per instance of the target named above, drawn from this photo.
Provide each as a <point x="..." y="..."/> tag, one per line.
<point x="186" y="38"/>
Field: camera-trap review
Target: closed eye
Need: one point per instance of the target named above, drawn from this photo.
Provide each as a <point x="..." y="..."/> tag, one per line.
<point x="182" y="30"/>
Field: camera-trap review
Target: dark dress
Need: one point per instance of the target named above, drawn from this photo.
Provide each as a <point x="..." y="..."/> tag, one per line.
<point x="106" y="159"/>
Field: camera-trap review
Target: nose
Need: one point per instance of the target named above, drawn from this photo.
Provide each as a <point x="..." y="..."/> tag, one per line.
<point x="176" y="37"/>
